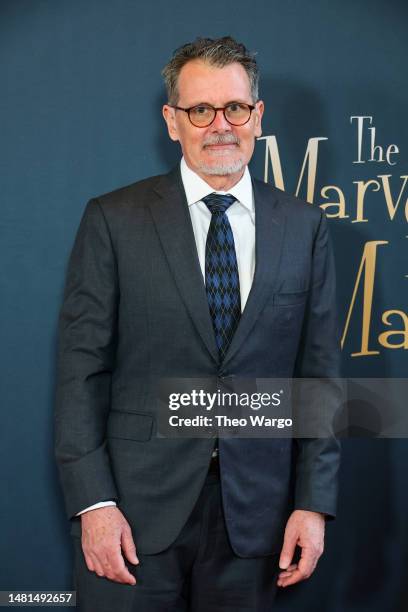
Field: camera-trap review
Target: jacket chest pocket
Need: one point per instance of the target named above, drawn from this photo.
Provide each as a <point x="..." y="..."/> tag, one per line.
<point x="289" y="298"/>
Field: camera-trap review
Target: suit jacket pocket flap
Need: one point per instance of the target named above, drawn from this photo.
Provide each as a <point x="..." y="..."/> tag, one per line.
<point x="130" y="425"/>
<point x="285" y="299"/>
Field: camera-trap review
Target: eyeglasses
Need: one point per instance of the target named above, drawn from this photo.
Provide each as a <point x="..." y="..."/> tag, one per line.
<point x="202" y="115"/>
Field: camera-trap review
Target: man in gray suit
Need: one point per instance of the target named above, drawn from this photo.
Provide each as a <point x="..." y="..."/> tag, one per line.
<point x="203" y="272"/>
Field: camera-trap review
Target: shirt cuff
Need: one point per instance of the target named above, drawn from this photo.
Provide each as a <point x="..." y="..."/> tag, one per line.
<point x="98" y="505"/>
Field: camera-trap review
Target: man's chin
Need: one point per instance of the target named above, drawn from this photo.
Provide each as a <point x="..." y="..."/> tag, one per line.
<point x="222" y="169"/>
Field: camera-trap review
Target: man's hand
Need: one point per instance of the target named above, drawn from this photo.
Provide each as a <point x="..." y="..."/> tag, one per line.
<point x="105" y="533"/>
<point x="305" y="529"/>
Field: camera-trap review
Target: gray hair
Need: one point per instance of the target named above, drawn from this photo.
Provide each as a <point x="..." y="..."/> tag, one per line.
<point x="217" y="52"/>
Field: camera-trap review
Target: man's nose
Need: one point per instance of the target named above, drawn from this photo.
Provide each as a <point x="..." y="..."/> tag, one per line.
<point x="220" y="122"/>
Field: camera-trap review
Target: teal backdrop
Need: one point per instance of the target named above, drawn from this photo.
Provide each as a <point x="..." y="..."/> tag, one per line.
<point x="80" y="105"/>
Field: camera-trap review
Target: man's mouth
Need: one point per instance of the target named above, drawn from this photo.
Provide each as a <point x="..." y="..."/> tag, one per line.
<point x="227" y="145"/>
<point x="222" y="142"/>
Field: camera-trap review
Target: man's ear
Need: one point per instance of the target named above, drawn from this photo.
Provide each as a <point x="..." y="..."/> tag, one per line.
<point x="258" y="112"/>
<point x="170" y="118"/>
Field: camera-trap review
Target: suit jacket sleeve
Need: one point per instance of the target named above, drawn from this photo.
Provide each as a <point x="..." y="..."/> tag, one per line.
<point x="319" y="357"/>
<point x="87" y="336"/>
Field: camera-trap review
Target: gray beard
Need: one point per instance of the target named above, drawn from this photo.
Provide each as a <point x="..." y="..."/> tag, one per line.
<point x="221" y="169"/>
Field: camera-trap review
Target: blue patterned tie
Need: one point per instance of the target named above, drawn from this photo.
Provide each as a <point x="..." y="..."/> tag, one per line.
<point x="221" y="272"/>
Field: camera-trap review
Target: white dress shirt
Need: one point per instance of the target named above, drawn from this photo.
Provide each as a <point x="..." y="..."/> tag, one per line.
<point x="241" y="215"/>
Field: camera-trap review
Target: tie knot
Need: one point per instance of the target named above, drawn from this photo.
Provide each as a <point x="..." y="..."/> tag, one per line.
<point x="216" y="202"/>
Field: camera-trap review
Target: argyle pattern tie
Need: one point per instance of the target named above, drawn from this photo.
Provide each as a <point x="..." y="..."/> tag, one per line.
<point x="221" y="272"/>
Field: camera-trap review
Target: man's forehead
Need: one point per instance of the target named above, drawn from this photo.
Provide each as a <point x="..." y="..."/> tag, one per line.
<point x="203" y="81"/>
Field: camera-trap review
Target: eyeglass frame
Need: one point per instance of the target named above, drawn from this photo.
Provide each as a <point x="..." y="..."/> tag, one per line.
<point x="187" y="110"/>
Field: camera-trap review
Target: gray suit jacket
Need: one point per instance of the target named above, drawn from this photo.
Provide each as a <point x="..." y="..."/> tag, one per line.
<point x="134" y="310"/>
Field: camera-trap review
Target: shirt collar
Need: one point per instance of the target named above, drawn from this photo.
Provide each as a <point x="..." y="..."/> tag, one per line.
<point x="196" y="188"/>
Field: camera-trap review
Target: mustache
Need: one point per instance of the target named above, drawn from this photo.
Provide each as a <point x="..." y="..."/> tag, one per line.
<point x="220" y="139"/>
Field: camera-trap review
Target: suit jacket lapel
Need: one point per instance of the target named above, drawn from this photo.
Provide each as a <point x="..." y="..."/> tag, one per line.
<point x="269" y="234"/>
<point x="173" y="223"/>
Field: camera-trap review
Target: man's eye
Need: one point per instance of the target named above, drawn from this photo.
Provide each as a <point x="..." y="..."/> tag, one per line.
<point x="235" y="108"/>
<point x="200" y="110"/>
